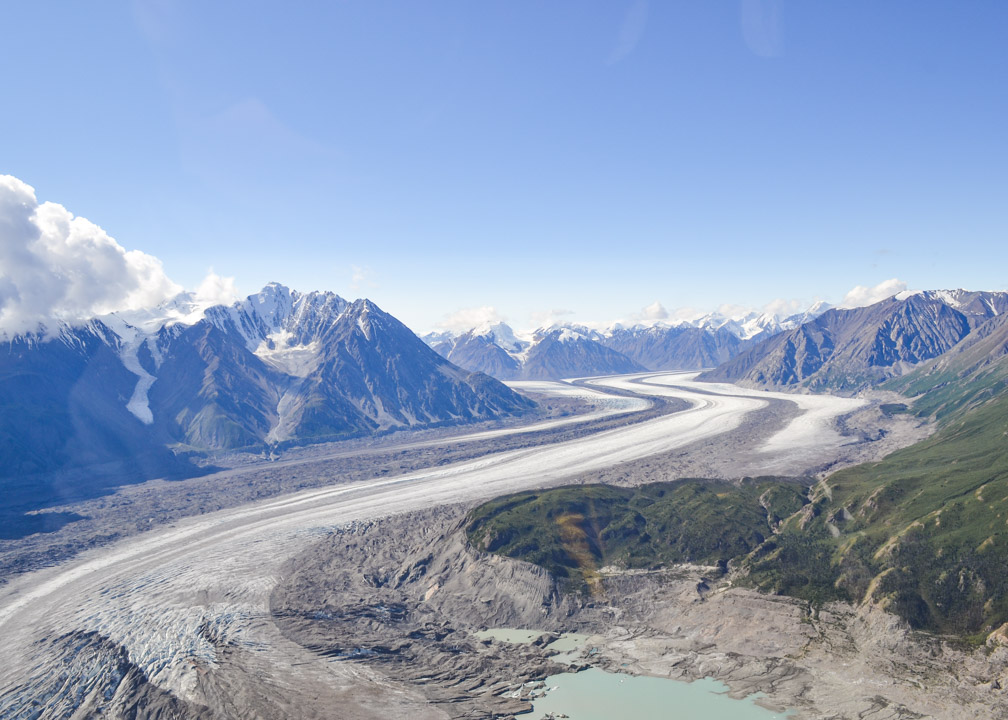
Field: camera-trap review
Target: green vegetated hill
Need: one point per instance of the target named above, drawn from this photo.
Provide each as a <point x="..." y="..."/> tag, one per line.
<point x="923" y="533"/>
<point x="575" y="531"/>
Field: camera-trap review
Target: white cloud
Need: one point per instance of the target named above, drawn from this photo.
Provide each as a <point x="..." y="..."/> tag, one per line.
<point x="649" y="315"/>
<point x="861" y="295"/>
<point x="216" y="290"/>
<point x="784" y="308"/>
<point x="57" y="266"/>
<point x="546" y="318"/>
<point x="361" y="277"/>
<point x="467" y="318"/>
<point x="655" y="311"/>
<point x="689" y="314"/>
<point x="733" y="310"/>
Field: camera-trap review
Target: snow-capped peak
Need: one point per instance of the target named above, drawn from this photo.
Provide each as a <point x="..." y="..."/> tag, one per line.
<point x="568" y="335"/>
<point x="501" y="334"/>
<point x="953" y="298"/>
<point x="566" y="332"/>
<point x="185" y="309"/>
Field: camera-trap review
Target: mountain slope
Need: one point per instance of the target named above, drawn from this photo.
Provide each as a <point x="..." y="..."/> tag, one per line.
<point x="283" y="367"/>
<point x="63" y="405"/>
<point x="971" y="373"/>
<point x="661" y="347"/>
<point x="111" y="400"/>
<point x="921" y="533"/>
<point x="480" y="351"/>
<point x="702" y="343"/>
<point x="564" y="352"/>
<point x="392" y="378"/>
<point x="849" y="349"/>
<point x="211" y="392"/>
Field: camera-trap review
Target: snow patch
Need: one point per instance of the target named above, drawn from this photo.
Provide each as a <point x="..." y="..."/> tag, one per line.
<point x="296" y="360"/>
<point x="284" y="427"/>
<point x="131" y="339"/>
<point x="139" y="402"/>
<point x="364" y="327"/>
<point x="502" y="335"/>
<point x="952" y="298"/>
<point x="569" y="335"/>
<point x="184" y="309"/>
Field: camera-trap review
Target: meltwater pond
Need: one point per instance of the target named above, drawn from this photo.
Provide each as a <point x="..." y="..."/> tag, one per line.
<point x="594" y="694"/>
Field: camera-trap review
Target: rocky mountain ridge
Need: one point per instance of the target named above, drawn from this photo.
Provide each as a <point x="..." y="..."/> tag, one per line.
<point x="572" y="350"/>
<point x="277" y="367"/>
<point x="849" y="349"/>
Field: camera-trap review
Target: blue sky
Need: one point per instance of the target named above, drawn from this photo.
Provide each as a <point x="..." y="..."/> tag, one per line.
<point x="585" y="157"/>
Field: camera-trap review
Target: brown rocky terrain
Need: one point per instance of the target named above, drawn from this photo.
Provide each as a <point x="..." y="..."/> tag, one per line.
<point x="405" y="595"/>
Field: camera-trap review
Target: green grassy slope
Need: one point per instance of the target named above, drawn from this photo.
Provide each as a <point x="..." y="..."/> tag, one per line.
<point x="574" y="531"/>
<point x="924" y="532"/>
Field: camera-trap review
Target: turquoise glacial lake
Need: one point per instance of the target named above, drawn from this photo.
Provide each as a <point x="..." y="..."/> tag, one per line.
<point x="594" y="694"/>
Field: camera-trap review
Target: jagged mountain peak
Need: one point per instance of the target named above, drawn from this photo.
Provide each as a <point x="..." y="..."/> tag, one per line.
<point x="279" y="314"/>
<point x="278" y="366"/>
<point x="567" y="332"/>
<point x="74" y="336"/>
<point x="502" y="334"/>
<point x="850" y="348"/>
<point x="368" y="317"/>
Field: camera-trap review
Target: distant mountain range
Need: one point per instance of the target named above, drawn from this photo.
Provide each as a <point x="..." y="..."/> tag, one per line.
<point x="126" y="392"/>
<point x="563" y="351"/>
<point x="132" y="395"/>
<point x="846" y="350"/>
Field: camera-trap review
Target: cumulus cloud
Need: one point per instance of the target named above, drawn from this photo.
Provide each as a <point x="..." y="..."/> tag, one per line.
<point x="783" y="308"/>
<point x="546" y="318"/>
<point x="733" y="310"/>
<point x="861" y="295"/>
<point x="655" y="311"/>
<point x="468" y="318"/>
<point x="216" y="290"/>
<point x="57" y="266"/>
<point x="649" y="315"/>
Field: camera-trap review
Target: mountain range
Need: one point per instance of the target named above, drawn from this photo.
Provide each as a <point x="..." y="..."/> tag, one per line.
<point x="137" y="394"/>
<point x="571" y="350"/>
<point x="850" y="349"/>
<point x="127" y="394"/>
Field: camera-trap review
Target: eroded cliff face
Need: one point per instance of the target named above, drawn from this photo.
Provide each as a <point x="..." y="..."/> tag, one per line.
<point x="405" y="595"/>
